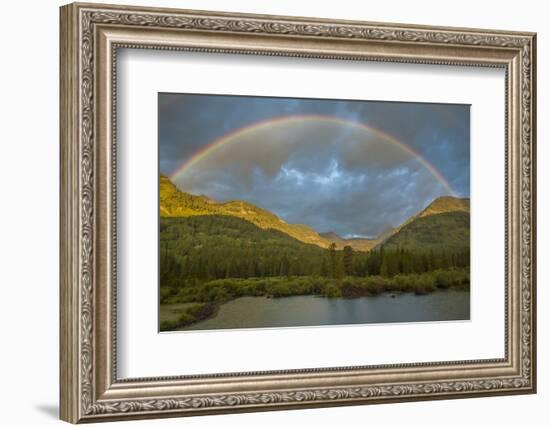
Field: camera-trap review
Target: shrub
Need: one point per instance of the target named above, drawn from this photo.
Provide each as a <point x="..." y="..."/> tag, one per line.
<point x="332" y="291"/>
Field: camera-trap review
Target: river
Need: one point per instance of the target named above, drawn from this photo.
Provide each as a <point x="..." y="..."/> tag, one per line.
<point x="309" y="310"/>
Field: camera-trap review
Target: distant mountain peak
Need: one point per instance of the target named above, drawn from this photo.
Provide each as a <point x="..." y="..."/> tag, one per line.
<point x="357" y="243"/>
<point x="446" y="204"/>
<point x="331" y="235"/>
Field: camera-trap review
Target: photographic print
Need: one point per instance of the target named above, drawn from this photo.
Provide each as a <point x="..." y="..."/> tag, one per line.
<point x="291" y="212"/>
<point x="325" y="218"/>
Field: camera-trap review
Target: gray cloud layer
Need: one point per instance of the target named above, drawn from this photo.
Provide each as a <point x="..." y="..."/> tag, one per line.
<point x="331" y="176"/>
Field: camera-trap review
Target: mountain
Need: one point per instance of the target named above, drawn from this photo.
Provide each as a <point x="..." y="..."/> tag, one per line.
<point x="176" y="203"/>
<point x="443" y="204"/>
<point x="334" y="238"/>
<point x="446" y="204"/>
<point x="359" y="244"/>
<point x="228" y="246"/>
<point x="443" y="225"/>
<point x="387" y="233"/>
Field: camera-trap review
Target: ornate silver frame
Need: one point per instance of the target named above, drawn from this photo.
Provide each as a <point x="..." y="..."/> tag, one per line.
<point x="90" y="36"/>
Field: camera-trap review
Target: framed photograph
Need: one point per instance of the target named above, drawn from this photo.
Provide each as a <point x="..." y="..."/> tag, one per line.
<point x="265" y="212"/>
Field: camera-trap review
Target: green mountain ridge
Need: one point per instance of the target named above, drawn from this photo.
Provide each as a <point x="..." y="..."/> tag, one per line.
<point x="446" y="231"/>
<point x="443" y="224"/>
<point x="440" y="205"/>
<point x="176" y="203"/>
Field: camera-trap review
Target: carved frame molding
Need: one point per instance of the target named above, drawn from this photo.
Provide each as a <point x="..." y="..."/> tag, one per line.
<point x="90" y="36"/>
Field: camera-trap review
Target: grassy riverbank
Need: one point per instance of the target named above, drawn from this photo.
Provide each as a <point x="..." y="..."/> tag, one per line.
<point x="195" y="302"/>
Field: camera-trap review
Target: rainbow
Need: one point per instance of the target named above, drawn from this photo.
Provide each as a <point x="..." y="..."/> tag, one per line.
<point x="234" y="136"/>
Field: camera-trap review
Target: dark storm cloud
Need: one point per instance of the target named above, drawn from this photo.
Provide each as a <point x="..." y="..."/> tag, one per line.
<point x="324" y="174"/>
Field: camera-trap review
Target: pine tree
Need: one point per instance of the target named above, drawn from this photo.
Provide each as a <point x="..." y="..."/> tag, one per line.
<point x="348" y="260"/>
<point x="384" y="268"/>
<point x="285" y="266"/>
<point x="332" y="259"/>
<point x="340" y="271"/>
<point x="324" y="268"/>
<point x="389" y="266"/>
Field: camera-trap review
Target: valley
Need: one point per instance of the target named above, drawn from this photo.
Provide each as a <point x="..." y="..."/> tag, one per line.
<point x="213" y="252"/>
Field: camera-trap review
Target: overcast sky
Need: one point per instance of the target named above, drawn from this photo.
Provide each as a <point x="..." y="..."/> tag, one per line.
<point x="329" y="174"/>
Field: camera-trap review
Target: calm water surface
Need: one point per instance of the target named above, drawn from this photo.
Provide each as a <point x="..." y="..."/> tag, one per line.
<point x="309" y="310"/>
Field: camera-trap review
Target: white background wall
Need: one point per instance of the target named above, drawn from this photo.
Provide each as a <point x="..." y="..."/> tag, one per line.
<point x="29" y="170"/>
